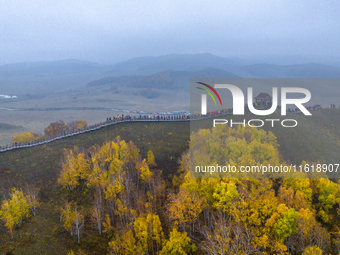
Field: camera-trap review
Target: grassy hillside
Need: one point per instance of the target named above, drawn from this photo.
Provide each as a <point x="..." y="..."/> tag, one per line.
<point x="316" y="137"/>
<point x="40" y="166"/>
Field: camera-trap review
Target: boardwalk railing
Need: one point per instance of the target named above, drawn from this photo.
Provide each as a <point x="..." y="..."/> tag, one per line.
<point x="164" y="118"/>
<point x="46" y="139"/>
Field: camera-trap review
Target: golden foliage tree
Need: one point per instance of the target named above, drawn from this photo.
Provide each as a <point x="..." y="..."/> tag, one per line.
<point x="312" y="251"/>
<point x="77" y="124"/>
<point x="151" y="158"/>
<point x="178" y="243"/>
<point x="123" y="243"/>
<point x="56" y="128"/>
<point x="126" y="194"/>
<point x="24" y="137"/>
<point x="14" y="209"/>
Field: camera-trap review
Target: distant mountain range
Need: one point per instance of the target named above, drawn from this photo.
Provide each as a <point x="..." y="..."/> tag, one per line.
<point x="174" y="71"/>
<point x="169" y="71"/>
<point x="163" y="79"/>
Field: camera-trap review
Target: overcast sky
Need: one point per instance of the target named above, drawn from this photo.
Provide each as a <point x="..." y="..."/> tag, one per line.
<point x="111" y="31"/>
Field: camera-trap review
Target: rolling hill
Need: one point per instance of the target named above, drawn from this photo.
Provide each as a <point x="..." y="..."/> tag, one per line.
<point x="316" y="138"/>
<point x="169" y="79"/>
<point x="53" y="75"/>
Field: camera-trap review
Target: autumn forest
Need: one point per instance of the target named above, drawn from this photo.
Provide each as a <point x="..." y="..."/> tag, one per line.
<point x="128" y="200"/>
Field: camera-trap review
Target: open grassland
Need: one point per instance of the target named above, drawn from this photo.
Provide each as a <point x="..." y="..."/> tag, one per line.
<point x="93" y="105"/>
<point x="7" y="131"/>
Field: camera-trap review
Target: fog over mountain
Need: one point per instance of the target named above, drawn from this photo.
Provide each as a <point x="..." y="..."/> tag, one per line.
<point x="274" y="32"/>
<point x="177" y="62"/>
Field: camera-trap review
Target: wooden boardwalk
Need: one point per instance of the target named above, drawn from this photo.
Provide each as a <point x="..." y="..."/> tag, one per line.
<point x="165" y="118"/>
